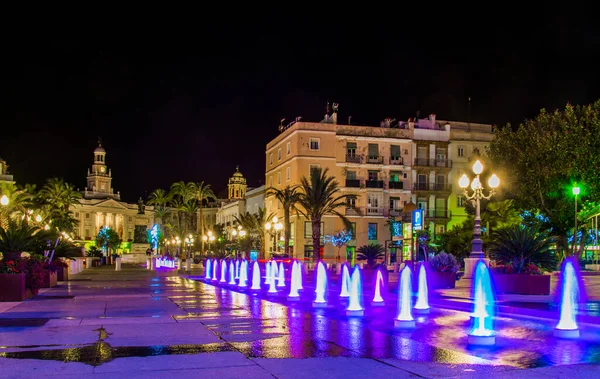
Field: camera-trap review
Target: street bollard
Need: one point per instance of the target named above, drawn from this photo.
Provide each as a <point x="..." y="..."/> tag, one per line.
<point x="118" y="264"/>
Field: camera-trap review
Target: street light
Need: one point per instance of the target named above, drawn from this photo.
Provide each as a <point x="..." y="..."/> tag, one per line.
<point x="274" y="225"/>
<point x="576" y="191"/>
<point x="476" y="197"/>
<point x="209" y="238"/>
<point x="4" y="200"/>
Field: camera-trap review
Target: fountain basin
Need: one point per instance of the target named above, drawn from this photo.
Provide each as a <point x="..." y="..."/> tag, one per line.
<point x="355" y="313"/>
<point x="566" y="333"/>
<point x="405" y="324"/>
<point x="293" y="298"/>
<point x="319" y="305"/>
<point x="272" y="293"/>
<point x="378" y="304"/>
<point x="421" y="311"/>
<point x="481" y="340"/>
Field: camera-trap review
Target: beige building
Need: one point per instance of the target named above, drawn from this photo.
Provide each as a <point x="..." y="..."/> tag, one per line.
<point x="5" y="177"/>
<point x="381" y="169"/>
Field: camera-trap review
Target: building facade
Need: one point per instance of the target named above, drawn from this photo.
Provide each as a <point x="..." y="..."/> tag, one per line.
<point x="5" y="177"/>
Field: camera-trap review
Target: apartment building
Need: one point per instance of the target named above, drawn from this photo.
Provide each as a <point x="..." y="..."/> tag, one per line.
<point x="381" y="169"/>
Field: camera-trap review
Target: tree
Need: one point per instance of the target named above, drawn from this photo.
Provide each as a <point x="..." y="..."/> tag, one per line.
<point x="254" y="224"/>
<point x="371" y="253"/>
<point x="320" y="196"/>
<point x="56" y="198"/>
<point x="545" y="157"/>
<point x="288" y="197"/>
<point x="19" y="236"/>
<point x="338" y="240"/>
<point x="159" y="198"/>
<point x="202" y="192"/>
<point x="182" y="192"/>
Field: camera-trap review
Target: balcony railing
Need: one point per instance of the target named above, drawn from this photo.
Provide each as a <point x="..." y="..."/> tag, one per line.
<point x="374" y="184"/>
<point x="395" y="212"/>
<point x="353" y="212"/>
<point x="354" y="183"/>
<point x="433" y="187"/>
<point x="396" y="160"/>
<point x="438" y="213"/>
<point x="375" y="159"/>
<point x="396" y="185"/>
<point x="371" y="211"/>
<point x="353" y="158"/>
<point x="426" y="162"/>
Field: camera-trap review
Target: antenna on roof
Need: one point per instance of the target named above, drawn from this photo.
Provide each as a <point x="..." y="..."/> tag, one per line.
<point x="99" y="141"/>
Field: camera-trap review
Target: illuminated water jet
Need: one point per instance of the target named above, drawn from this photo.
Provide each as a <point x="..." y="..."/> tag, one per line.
<point x="215" y="268"/>
<point x="207" y="270"/>
<point x="405" y="319"/>
<point x="272" y="287"/>
<point x="569" y="294"/>
<point x="274" y="270"/>
<point x="281" y="276"/>
<point x="377" y="299"/>
<point x="300" y="275"/>
<point x="255" y="277"/>
<point x="237" y="269"/>
<point x="345" y="291"/>
<point x="231" y="273"/>
<point x="243" y="280"/>
<point x="223" y="271"/>
<point x="295" y="280"/>
<point x="482" y="331"/>
<point x="422" y="305"/>
<point x="268" y="272"/>
<point x="321" y="286"/>
<point x="356" y="296"/>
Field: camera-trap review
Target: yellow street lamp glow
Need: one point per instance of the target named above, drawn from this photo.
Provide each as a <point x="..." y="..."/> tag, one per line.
<point x="477" y="167"/>
<point x="268" y="226"/>
<point x="190" y="236"/>
<point x="475" y="184"/>
<point x="275" y="219"/>
<point x="278" y="226"/>
<point x="242" y="233"/>
<point x="209" y="233"/>
<point x="239" y="227"/>
<point x="204" y="238"/>
<point x="494" y="181"/>
<point x="4" y="200"/>
<point x="576" y="190"/>
<point x="234" y="232"/>
<point x="38" y="218"/>
<point x="463" y="182"/>
<point x="212" y="238"/>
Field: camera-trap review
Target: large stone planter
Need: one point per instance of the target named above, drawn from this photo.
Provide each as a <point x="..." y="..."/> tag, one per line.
<point x="522" y="284"/>
<point x="441" y="280"/>
<point x="62" y="275"/>
<point x="12" y="287"/>
<point x="49" y="279"/>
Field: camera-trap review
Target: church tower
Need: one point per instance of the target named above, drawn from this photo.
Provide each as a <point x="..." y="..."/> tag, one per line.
<point x="237" y="185"/>
<point x="99" y="178"/>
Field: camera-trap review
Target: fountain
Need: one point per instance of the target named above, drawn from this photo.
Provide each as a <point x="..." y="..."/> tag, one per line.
<point x="281" y="275"/>
<point x="268" y="273"/>
<point x="237" y="269"/>
<point x="569" y="294"/>
<point x="345" y="292"/>
<point x="215" y="268"/>
<point x="321" y="286"/>
<point x="355" y="304"/>
<point x="422" y="306"/>
<point x="405" y="319"/>
<point x="272" y="288"/>
<point x="300" y="268"/>
<point x="243" y="280"/>
<point x="274" y="270"/>
<point x="223" y="271"/>
<point x="255" y="277"/>
<point x="231" y="273"/>
<point x="482" y="332"/>
<point x="207" y="271"/>
<point x="377" y="299"/>
<point x="295" y="280"/>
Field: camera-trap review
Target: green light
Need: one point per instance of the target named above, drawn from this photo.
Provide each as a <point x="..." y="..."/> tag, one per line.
<point x="576" y="190"/>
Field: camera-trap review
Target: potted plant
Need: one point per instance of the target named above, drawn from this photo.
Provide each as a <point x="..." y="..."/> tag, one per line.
<point x="522" y="255"/>
<point x="443" y="269"/>
<point x="12" y="280"/>
<point x="49" y="270"/>
<point x="62" y="270"/>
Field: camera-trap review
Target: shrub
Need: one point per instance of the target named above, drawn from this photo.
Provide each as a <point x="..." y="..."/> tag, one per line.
<point x="444" y="262"/>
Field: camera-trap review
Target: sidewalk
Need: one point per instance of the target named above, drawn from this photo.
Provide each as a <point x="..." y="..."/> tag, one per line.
<point x="137" y="323"/>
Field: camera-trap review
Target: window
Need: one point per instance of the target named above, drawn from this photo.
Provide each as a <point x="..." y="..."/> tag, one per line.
<point x="395" y="176"/>
<point x="87" y="215"/>
<point x="351" y="149"/>
<point x="288" y="173"/>
<point x="373" y="175"/>
<point x="460" y="201"/>
<point x="372" y="231"/>
<point x="278" y="154"/>
<point x="373" y="150"/>
<point x="315" y="143"/>
<point x="351" y="175"/>
<point x="394" y="203"/>
<point x="313" y="167"/>
<point x="278" y="177"/>
<point x="440" y="229"/>
<point x="405" y="175"/>
<point x="395" y="151"/>
<point x="421" y="203"/>
<point x="76" y="214"/>
<point x="308" y="230"/>
<point x="129" y="219"/>
<point x="373" y="201"/>
<point x="289" y="148"/>
<point x="461" y="151"/>
<point x="271" y="158"/>
<point x="351" y="201"/>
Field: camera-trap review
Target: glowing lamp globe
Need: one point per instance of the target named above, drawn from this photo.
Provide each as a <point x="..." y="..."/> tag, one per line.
<point x="494" y="181"/>
<point x="4" y="200"/>
<point x="463" y="182"/>
<point x="576" y="190"/>
<point x="477" y="167"/>
<point x="234" y="232"/>
<point x="475" y="184"/>
<point x="38" y="218"/>
<point x="275" y="220"/>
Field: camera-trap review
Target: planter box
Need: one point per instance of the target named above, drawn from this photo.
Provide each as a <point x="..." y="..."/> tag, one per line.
<point x="12" y="287"/>
<point x="62" y="274"/>
<point x="49" y="279"/>
<point x="521" y="284"/>
<point x="441" y="280"/>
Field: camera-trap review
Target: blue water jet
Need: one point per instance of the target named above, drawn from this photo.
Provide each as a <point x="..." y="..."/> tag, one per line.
<point x="377" y="299"/>
<point x="272" y="283"/>
<point x="345" y="291"/>
<point x="295" y="280"/>
<point x="281" y="276"/>
<point x="207" y="270"/>
<point x="268" y="272"/>
<point x="274" y="270"/>
<point x="569" y="295"/>
<point x="223" y="271"/>
<point x="215" y="268"/>
<point x="231" y="273"/>
<point x="355" y="307"/>
<point x="255" y="276"/>
<point x="482" y="331"/>
<point x="243" y="280"/>
<point x="321" y="286"/>
<point x="237" y="269"/>
<point x="422" y="305"/>
<point x="405" y="319"/>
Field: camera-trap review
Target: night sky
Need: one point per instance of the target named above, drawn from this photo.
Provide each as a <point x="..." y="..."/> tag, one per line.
<point x="192" y="106"/>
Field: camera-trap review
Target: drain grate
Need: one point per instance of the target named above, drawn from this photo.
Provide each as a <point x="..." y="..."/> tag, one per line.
<point x="20" y="322"/>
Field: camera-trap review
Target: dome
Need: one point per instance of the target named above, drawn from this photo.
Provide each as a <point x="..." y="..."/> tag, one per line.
<point x="237" y="173"/>
<point x="99" y="149"/>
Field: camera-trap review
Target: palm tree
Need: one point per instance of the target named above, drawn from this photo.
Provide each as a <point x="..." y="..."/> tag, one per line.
<point x="371" y="253"/>
<point x="519" y="246"/>
<point x="202" y="192"/>
<point x="320" y="197"/>
<point x="159" y="198"/>
<point x="254" y="224"/>
<point x="288" y="197"/>
<point x="19" y="202"/>
<point x="185" y="192"/>
<point x="20" y="236"/>
<point x="59" y="194"/>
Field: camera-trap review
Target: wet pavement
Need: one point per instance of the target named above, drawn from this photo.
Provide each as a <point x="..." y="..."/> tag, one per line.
<point x="135" y="322"/>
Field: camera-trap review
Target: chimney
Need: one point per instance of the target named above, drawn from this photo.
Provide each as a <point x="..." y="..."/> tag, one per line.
<point x="349" y="120"/>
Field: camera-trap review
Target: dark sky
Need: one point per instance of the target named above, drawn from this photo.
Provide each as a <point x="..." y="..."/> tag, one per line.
<point x="191" y="106"/>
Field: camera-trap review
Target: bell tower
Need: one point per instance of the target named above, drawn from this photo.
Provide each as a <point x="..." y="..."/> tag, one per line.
<point x="237" y="185"/>
<point x="99" y="178"/>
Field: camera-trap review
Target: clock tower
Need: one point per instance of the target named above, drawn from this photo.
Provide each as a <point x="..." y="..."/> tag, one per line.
<point x="99" y="178"/>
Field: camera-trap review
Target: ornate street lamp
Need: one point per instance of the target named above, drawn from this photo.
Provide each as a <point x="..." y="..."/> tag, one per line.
<point x="475" y="198"/>
<point x="277" y="226"/>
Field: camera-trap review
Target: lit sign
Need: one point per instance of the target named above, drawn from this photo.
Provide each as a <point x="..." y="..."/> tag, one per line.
<point x="406" y="231"/>
<point x="417" y="219"/>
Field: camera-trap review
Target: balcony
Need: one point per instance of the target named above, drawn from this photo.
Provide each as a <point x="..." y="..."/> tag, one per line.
<point x="375" y="159"/>
<point x="396" y="161"/>
<point x="426" y="162"/>
<point x="370" y="211"/>
<point x="374" y="183"/>
<point x="353" y="183"/>
<point x="433" y="187"/>
<point x="353" y="158"/>
<point x="396" y="185"/>
<point x="395" y="212"/>
<point x="353" y="212"/>
<point x="438" y="213"/>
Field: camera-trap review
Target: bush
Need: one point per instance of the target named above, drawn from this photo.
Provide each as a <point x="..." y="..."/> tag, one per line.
<point x="444" y="262"/>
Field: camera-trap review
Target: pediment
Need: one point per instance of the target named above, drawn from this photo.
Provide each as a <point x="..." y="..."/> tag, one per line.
<point x="110" y="203"/>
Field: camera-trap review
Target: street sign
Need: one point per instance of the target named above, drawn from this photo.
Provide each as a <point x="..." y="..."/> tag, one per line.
<point x="417" y="219"/>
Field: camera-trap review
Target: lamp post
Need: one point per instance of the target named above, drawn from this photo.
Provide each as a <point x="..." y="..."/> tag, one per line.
<point x="208" y="238"/>
<point x="277" y="226"/>
<point x="238" y="233"/>
<point x="475" y="198"/>
<point x="3" y="203"/>
<point x="576" y="191"/>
